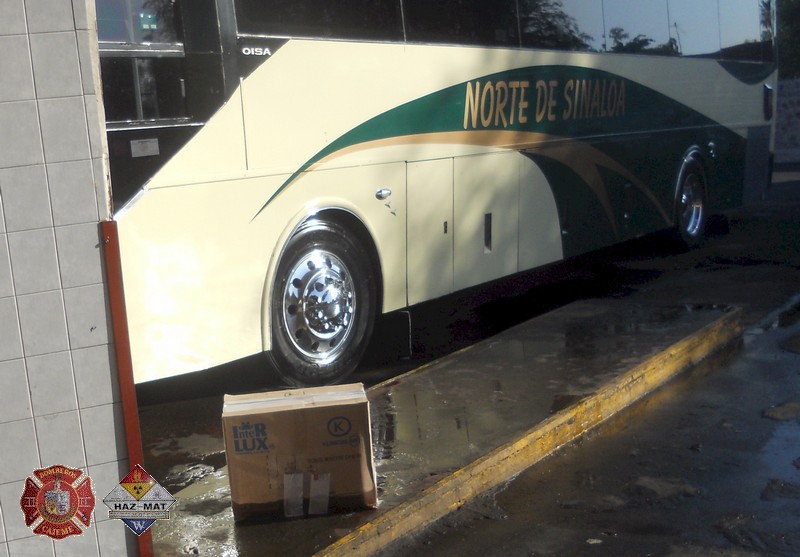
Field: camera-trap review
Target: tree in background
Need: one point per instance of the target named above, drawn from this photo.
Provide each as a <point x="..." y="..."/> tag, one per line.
<point x="545" y="24"/>
<point x="640" y="44"/>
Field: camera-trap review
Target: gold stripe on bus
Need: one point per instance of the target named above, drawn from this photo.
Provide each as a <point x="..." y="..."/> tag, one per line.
<point x="579" y="156"/>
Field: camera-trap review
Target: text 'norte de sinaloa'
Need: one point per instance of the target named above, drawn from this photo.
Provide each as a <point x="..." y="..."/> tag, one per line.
<point x="504" y="103"/>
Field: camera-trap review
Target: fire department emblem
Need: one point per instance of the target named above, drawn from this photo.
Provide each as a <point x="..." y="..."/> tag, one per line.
<point x="58" y="501"/>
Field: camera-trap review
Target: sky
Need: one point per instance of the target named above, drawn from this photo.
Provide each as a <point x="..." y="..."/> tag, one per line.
<point x="703" y="26"/>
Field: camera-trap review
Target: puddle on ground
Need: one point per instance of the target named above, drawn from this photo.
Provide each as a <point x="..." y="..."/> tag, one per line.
<point x="428" y="424"/>
<point x="663" y="488"/>
<point x="780" y="455"/>
<point x="783" y="412"/>
<point x="195" y="445"/>
<point x="791" y="344"/>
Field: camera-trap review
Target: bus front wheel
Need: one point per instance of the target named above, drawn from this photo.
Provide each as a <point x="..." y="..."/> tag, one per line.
<point x="323" y="306"/>
<point x="691" y="201"/>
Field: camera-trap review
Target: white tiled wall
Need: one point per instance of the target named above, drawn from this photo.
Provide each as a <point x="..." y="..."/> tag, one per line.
<point x="59" y="394"/>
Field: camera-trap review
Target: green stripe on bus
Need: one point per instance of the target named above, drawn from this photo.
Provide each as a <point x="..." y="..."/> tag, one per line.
<point x="569" y="101"/>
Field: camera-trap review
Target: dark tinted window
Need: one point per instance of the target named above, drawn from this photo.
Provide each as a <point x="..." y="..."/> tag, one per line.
<point x="473" y="22"/>
<point x="142" y="88"/>
<point x="343" y="19"/>
<point x="561" y="24"/>
<point x="119" y="91"/>
<point x="137" y="21"/>
<point x="694" y="26"/>
<point x="704" y="28"/>
<point x="642" y="27"/>
<point x="750" y="36"/>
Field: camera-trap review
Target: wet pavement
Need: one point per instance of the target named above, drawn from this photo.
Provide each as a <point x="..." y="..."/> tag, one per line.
<point x="707" y="466"/>
<point x="438" y="419"/>
<point x="644" y="480"/>
<point x="426" y="424"/>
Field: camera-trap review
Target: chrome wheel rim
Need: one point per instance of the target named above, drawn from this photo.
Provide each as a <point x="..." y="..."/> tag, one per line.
<point x="691" y="209"/>
<point x="319" y="303"/>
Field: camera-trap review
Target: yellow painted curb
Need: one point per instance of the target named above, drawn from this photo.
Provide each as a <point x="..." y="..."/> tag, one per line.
<point x="538" y="442"/>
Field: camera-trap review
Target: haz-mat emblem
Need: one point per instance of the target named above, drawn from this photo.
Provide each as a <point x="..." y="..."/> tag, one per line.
<point x="138" y="501"/>
<point x="58" y="501"/>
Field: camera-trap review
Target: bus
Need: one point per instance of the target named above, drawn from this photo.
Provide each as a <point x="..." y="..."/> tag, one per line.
<point x="285" y="171"/>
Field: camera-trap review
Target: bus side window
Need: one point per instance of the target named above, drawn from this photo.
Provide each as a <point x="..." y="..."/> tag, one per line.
<point x="689" y="28"/>
<point x="141" y="60"/>
<point x="137" y="21"/>
<point x="639" y="27"/>
<point x="486" y="23"/>
<point x="752" y="42"/>
<point x="355" y="19"/>
<point x="112" y="21"/>
<point x="137" y="89"/>
<point x="573" y="26"/>
<point x="119" y="92"/>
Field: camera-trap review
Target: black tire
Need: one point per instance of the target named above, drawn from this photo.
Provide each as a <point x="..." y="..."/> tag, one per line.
<point x="323" y="306"/>
<point x="691" y="202"/>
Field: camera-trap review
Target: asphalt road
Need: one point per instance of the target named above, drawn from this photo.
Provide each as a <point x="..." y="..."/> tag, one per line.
<point x="707" y="466"/>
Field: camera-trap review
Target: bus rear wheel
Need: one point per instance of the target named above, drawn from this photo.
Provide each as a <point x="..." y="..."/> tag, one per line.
<point x="691" y="205"/>
<point x="323" y="306"/>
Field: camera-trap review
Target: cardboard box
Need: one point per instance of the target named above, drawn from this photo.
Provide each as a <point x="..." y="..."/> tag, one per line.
<point x="299" y="452"/>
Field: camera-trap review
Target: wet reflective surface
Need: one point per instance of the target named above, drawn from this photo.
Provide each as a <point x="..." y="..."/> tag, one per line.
<point x="711" y="459"/>
<point x="708" y="466"/>
<point x="426" y="423"/>
<point x="453" y="411"/>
